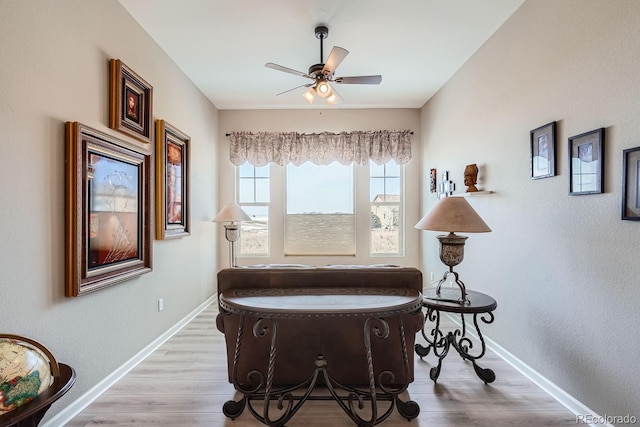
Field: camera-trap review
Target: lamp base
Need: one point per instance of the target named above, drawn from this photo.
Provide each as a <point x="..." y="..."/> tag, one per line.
<point x="463" y="290"/>
<point x="232" y="233"/>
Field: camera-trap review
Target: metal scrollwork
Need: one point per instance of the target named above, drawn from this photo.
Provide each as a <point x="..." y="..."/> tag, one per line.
<point x="264" y="400"/>
<point x="458" y="339"/>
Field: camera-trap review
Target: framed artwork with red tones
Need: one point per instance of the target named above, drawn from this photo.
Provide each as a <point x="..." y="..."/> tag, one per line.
<point x="130" y="102"/>
<point x="172" y="182"/>
<point x="108" y="210"/>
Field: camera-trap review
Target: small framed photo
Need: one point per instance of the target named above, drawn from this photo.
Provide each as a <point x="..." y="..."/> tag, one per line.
<point x="108" y="210"/>
<point x="631" y="184"/>
<point x="172" y="182"/>
<point x="130" y="102"/>
<point x="543" y="151"/>
<point x="586" y="163"/>
<point x="432" y="181"/>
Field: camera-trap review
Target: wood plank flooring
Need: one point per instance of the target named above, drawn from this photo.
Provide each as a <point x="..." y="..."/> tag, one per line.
<point x="184" y="383"/>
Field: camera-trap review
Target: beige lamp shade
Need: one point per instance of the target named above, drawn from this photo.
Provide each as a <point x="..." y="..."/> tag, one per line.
<point x="231" y="212"/>
<point x="453" y="214"/>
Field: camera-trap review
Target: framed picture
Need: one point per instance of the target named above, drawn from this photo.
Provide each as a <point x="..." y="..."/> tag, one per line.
<point x="130" y="102"/>
<point x="543" y="151"/>
<point x="108" y="210"/>
<point x="432" y="181"/>
<point x="586" y="163"/>
<point x="172" y="182"/>
<point x="631" y="184"/>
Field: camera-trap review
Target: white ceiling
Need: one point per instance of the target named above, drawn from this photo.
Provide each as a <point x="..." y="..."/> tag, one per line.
<point x="416" y="45"/>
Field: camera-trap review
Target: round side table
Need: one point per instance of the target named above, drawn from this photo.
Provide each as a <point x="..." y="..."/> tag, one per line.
<point x="479" y="305"/>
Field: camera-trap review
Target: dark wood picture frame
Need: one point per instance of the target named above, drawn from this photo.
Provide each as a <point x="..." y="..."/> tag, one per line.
<point x="586" y="163"/>
<point x="433" y="181"/>
<point x="631" y="184"/>
<point x="130" y="102"/>
<point x="543" y="151"/>
<point x="108" y="210"/>
<point x="172" y="182"/>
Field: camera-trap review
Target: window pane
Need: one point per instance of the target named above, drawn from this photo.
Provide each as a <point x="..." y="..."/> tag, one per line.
<point x="376" y="189"/>
<point x="262" y="171"/>
<point x="392" y="168"/>
<point x="385" y="186"/>
<point x="245" y="170"/>
<point x="375" y="170"/>
<point x="385" y="230"/>
<point x="319" y="188"/>
<point x="245" y="190"/>
<point x="320" y="217"/>
<point x="262" y="190"/>
<point x="254" y="234"/>
<point x="392" y="189"/>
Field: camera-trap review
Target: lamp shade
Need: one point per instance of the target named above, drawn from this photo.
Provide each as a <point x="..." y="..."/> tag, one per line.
<point x="231" y="212"/>
<point x="453" y="214"/>
<point x="310" y="95"/>
<point x="334" y="98"/>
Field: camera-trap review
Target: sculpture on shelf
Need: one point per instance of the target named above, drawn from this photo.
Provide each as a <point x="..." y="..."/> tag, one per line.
<point x="471" y="177"/>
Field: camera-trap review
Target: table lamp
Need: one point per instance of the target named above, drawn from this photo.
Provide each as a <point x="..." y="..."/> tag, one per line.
<point x="452" y="214"/>
<point x="233" y="214"/>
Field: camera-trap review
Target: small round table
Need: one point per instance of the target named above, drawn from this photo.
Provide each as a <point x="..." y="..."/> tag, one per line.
<point x="478" y="304"/>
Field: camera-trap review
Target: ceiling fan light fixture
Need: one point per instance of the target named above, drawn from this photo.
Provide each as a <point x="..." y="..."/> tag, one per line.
<point x="310" y="95"/>
<point x="334" y="98"/>
<point x="323" y="88"/>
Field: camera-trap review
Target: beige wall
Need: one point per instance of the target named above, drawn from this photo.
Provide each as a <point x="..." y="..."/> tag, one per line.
<point x="53" y="69"/>
<point x="309" y="121"/>
<point x="564" y="269"/>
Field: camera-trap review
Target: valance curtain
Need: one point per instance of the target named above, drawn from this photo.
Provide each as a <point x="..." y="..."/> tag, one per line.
<point x="282" y="148"/>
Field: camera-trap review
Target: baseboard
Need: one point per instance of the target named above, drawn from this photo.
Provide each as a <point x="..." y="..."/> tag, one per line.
<point x="564" y="398"/>
<point x="68" y="413"/>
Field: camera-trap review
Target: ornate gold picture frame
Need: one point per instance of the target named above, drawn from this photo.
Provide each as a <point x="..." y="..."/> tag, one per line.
<point x="108" y="210"/>
<point x="130" y="102"/>
<point x="172" y="182"/>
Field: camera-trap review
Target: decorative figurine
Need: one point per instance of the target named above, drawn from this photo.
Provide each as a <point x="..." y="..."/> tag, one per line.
<point x="471" y="177"/>
<point x="447" y="187"/>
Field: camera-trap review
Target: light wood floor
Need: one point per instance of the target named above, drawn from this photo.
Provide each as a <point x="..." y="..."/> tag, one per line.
<point x="184" y="383"/>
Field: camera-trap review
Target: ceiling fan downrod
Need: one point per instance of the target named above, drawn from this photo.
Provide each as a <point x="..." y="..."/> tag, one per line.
<point x="321" y="33"/>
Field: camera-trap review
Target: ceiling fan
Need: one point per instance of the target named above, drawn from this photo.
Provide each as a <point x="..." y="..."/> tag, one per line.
<point x="322" y="74"/>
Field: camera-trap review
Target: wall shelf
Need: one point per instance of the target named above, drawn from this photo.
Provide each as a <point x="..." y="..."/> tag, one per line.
<point x="473" y="194"/>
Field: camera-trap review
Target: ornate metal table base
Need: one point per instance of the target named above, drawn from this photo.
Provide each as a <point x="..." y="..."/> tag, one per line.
<point x="480" y="305"/>
<point x="351" y="400"/>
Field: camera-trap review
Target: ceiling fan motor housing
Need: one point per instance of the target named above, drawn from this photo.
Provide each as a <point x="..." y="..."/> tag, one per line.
<point x="322" y="32"/>
<point x="316" y="70"/>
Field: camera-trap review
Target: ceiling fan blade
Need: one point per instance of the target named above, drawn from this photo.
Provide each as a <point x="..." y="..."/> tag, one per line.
<point x="359" y="80"/>
<point x="297" y="87"/>
<point x="287" y="70"/>
<point x="336" y="56"/>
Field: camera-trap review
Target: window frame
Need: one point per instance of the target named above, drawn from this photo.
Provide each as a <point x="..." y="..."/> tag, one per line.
<point x="254" y="203"/>
<point x="399" y="204"/>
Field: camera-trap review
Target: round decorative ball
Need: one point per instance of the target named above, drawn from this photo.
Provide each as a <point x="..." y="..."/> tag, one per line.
<point x="25" y="372"/>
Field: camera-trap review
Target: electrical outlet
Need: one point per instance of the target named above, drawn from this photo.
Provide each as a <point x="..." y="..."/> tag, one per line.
<point x="160" y="304"/>
<point x="432" y="276"/>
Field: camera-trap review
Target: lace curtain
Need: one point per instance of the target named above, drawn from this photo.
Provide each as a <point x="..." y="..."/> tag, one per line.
<point x="282" y="148"/>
